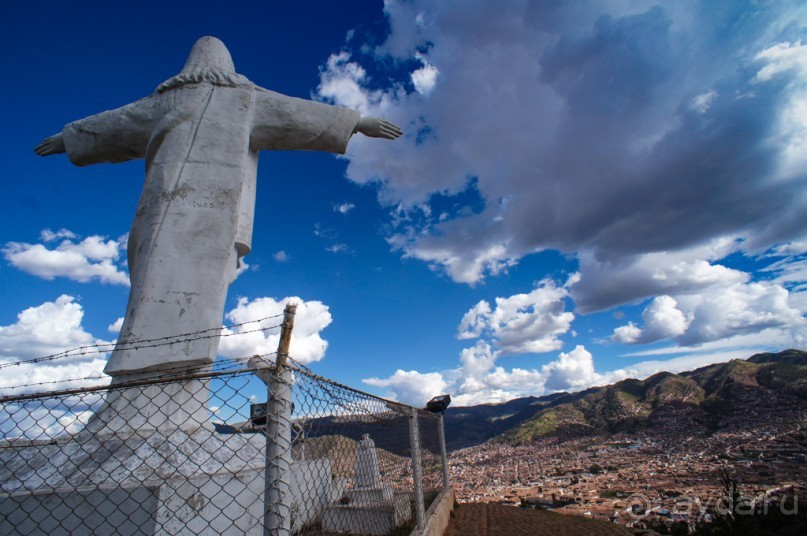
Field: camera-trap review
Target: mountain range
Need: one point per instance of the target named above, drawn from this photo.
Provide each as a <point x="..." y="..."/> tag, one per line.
<point x="710" y="398"/>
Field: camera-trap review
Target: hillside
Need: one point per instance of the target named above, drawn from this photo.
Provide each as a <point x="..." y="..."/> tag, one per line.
<point x="705" y="399"/>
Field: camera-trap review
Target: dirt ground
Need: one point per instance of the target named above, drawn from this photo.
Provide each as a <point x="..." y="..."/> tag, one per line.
<point x="494" y="520"/>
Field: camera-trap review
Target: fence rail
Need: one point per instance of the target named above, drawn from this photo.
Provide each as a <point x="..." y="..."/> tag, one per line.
<point x="258" y="450"/>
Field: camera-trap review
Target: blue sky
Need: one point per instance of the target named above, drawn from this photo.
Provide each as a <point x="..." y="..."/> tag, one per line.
<point x="585" y="191"/>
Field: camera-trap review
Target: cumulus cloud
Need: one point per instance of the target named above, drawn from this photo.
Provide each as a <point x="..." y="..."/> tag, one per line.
<point x="615" y="129"/>
<point x="662" y="320"/>
<point x="714" y="314"/>
<point x="94" y="258"/>
<point x="281" y="256"/>
<point x="479" y="381"/>
<point x="44" y="330"/>
<point x="115" y="326"/>
<point x="425" y="78"/>
<point x="523" y="323"/>
<point x="411" y="387"/>
<point x="572" y="371"/>
<point x="307" y="345"/>
<point x="342" y="81"/>
<point x="738" y="310"/>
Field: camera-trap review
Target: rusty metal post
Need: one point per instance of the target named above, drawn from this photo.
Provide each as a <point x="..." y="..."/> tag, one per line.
<point x="277" y="474"/>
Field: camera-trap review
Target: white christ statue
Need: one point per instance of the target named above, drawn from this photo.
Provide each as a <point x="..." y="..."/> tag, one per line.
<point x="199" y="133"/>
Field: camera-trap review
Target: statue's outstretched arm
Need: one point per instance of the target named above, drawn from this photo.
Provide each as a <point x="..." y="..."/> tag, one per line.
<point x="376" y="127"/>
<point x="51" y="145"/>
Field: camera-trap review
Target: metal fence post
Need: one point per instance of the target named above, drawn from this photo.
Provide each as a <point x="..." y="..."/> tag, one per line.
<point x="441" y="433"/>
<point x="277" y="492"/>
<point x="417" y="471"/>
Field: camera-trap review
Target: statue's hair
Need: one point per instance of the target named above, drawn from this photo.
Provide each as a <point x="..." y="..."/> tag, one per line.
<point x="214" y="76"/>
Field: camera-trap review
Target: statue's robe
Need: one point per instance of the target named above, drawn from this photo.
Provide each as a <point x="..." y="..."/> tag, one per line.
<point x="194" y="219"/>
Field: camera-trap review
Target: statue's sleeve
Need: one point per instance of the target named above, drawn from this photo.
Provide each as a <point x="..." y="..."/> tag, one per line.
<point x="288" y="123"/>
<point x="112" y="136"/>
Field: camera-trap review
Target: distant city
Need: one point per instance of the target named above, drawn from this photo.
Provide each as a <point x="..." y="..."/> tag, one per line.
<point x="668" y="470"/>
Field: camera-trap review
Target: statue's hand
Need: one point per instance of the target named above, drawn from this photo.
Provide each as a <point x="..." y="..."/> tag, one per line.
<point x="375" y="127"/>
<point x="51" y="145"/>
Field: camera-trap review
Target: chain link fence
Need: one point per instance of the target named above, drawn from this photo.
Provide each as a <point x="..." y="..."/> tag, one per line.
<point x="257" y="450"/>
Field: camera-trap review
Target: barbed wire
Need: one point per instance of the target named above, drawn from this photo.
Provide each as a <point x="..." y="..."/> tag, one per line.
<point x="325" y="382"/>
<point x="338" y="392"/>
<point x="177" y="373"/>
<point x="94" y="349"/>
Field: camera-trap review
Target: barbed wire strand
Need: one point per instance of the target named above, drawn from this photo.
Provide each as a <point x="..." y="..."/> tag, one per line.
<point x="171" y="374"/>
<point x="183" y="373"/>
<point x="302" y="369"/>
<point x="97" y="348"/>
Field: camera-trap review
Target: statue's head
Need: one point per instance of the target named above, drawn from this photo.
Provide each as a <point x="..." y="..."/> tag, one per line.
<point x="209" y="54"/>
<point x="209" y="61"/>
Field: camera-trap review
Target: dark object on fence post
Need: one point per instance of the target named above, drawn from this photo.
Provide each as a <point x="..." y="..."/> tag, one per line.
<point x="417" y="471"/>
<point x="277" y="492"/>
<point x="438" y="404"/>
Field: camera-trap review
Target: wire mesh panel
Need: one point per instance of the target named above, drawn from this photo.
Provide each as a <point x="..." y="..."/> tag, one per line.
<point x="133" y="459"/>
<point x="363" y="443"/>
<point x="204" y="454"/>
<point x="430" y="459"/>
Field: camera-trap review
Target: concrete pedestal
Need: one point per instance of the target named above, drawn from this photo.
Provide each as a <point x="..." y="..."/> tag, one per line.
<point x="149" y="482"/>
<point x="368" y="518"/>
<point x="370" y="507"/>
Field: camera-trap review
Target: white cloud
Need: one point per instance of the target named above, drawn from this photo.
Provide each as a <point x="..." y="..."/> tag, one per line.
<point x="737" y="310"/>
<point x="425" y="78"/>
<point x="44" y="330"/>
<point x="662" y="320"/>
<point x="341" y="82"/>
<point x="343" y="208"/>
<point x="411" y="387"/>
<point x="307" y="345"/>
<point x="466" y="267"/>
<point x="93" y="258"/>
<point x="782" y="58"/>
<point x="722" y="310"/>
<point x="115" y="326"/>
<point x="571" y="371"/>
<point x="242" y="268"/>
<point x="338" y="248"/>
<point x="523" y="323"/>
<point x="475" y="321"/>
<point x="281" y="256"/>
<point x="40" y="421"/>
<point x="49" y="236"/>
<point x="479" y="381"/>
<point x="703" y="102"/>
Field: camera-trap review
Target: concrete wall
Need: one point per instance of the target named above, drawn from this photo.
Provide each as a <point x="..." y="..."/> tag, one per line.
<point x="223" y="503"/>
<point x="438" y="515"/>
